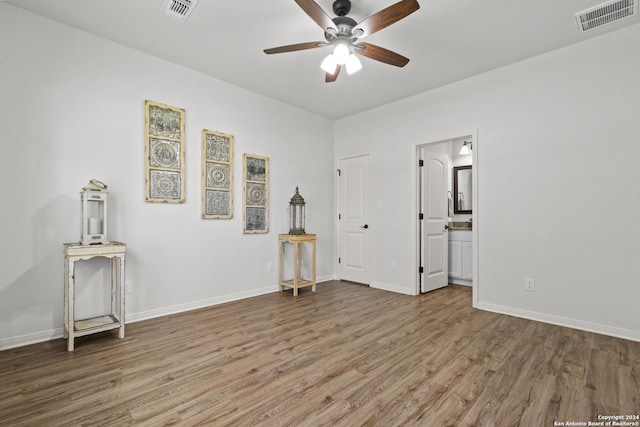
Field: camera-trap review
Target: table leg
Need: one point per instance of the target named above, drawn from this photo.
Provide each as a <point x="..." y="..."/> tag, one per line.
<point x="281" y="271"/>
<point x="121" y="284"/>
<point x="296" y="260"/>
<point x="70" y="309"/>
<point x="313" y="266"/>
<point x="65" y="329"/>
<point x="114" y="287"/>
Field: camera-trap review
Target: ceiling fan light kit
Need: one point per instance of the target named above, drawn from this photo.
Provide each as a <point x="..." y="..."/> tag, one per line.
<point x="353" y="64"/>
<point x="341" y="53"/>
<point x="342" y="33"/>
<point x="329" y="64"/>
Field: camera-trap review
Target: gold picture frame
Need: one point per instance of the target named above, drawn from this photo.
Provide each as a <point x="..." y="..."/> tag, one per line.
<point x="217" y="175"/>
<point x="164" y="152"/>
<point x="255" y="193"/>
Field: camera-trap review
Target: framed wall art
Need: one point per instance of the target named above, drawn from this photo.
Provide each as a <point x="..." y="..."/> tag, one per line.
<point x="164" y="152"/>
<point x="255" y="193"/>
<point x="217" y="175"/>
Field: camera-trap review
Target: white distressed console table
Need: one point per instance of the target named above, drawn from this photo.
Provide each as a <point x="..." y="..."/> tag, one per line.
<point x="76" y="252"/>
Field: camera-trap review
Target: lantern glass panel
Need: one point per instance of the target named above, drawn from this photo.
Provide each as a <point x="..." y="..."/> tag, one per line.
<point x="94" y="217"/>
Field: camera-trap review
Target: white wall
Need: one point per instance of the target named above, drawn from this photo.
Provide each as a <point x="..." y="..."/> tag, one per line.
<point x="71" y="109"/>
<point x="557" y="136"/>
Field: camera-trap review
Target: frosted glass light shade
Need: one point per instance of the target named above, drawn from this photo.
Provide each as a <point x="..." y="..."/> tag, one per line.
<point x="341" y="53"/>
<point x="329" y="64"/>
<point x="353" y="64"/>
<point x="464" y="149"/>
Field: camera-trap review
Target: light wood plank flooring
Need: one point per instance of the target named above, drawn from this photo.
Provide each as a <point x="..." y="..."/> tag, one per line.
<point x="346" y="355"/>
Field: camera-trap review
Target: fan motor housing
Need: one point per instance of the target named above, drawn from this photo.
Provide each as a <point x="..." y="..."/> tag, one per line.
<point x="341" y="7"/>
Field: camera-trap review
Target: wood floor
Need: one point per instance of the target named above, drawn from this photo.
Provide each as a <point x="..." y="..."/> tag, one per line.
<point x="346" y="355"/>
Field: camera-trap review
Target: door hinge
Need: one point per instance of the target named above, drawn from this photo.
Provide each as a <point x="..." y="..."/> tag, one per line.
<point x="420" y="216"/>
<point x="339" y="216"/>
<point x="339" y="173"/>
<point x="421" y="269"/>
<point x="420" y="163"/>
<point x="339" y="260"/>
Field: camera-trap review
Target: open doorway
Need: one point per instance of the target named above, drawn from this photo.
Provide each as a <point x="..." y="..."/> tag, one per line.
<point x="447" y="214"/>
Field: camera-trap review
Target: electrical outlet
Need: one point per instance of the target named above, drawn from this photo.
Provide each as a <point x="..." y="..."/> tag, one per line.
<point x="530" y="285"/>
<point x="394" y="267"/>
<point x="127" y="286"/>
<point x="270" y="267"/>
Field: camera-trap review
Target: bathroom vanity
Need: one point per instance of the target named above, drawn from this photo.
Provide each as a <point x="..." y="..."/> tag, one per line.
<point x="460" y="257"/>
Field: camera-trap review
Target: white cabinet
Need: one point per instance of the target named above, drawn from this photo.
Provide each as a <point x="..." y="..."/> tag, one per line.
<point x="467" y="263"/>
<point x="460" y="257"/>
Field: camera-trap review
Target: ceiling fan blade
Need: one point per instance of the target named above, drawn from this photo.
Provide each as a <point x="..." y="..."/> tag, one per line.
<point x="294" y="47"/>
<point x="317" y="13"/>
<point x="332" y="77"/>
<point x="381" y="54"/>
<point x="386" y="17"/>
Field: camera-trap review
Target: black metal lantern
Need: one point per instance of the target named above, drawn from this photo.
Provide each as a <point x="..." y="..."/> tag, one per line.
<point x="296" y="214"/>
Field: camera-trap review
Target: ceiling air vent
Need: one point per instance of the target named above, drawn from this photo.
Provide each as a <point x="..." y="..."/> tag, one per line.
<point x="605" y="13"/>
<point x="179" y="9"/>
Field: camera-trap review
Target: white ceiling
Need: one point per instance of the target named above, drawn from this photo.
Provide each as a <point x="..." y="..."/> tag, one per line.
<point x="446" y="40"/>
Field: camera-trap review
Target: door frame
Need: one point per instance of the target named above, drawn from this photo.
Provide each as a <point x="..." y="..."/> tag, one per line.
<point x="473" y="136"/>
<point x="338" y="229"/>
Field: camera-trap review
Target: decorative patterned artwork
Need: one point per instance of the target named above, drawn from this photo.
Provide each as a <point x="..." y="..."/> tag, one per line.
<point x="256" y="169"/>
<point x="217" y="175"/>
<point x="164" y="152"/>
<point x="256" y="220"/>
<point x="255" y="193"/>
<point x="164" y="184"/>
<point x="218" y="147"/>
<point x="217" y="204"/>
<point x="165" y="122"/>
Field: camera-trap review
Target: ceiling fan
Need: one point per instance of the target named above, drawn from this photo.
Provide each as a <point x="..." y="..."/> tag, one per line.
<point x="342" y="32"/>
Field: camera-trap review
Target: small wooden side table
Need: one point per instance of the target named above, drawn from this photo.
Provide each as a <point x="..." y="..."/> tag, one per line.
<point x="297" y="282"/>
<point x="76" y="252"/>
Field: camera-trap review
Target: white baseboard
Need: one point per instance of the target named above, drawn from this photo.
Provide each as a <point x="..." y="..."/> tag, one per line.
<point x="195" y="305"/>
<point x="582" y="325"/>
<point x="325" y="279"/>
<point x="598" y="328"/>
<point x="392" y="288"/>
<point x="22" y="340"/>
<point x="57" y="333"/>
<point x="461" y="282"/>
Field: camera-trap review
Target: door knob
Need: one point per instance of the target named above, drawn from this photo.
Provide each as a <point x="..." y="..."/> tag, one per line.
<point x="365" y="226"/>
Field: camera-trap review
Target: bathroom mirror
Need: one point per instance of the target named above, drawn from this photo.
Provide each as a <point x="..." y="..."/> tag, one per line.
<point x="463" y="198"/>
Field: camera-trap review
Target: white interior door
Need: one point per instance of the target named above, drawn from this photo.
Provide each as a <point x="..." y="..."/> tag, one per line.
<point x="434" y="236"/>
<point x="353" y="219"/>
